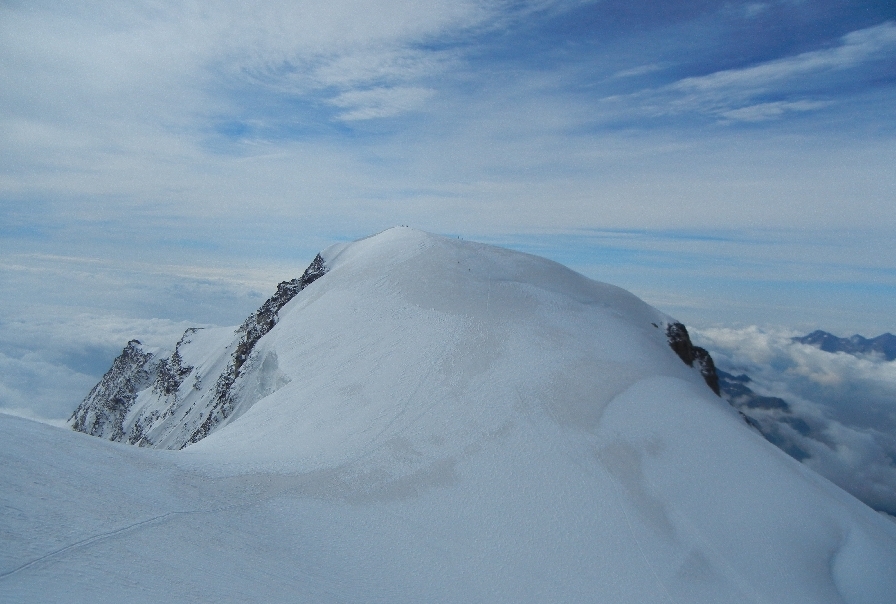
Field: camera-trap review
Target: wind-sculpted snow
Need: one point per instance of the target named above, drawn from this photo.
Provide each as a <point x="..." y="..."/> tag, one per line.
<point x="441" y="421"/>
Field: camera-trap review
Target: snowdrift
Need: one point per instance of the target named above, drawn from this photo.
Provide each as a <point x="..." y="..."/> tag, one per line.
<point x="428" y="420"/>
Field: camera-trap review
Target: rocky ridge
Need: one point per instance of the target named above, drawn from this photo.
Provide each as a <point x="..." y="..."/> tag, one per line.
<point x="103" y="411"/>
<point x="680" y="342"/>
<point x="252" y="330"/>
<point x="149" y="400"/>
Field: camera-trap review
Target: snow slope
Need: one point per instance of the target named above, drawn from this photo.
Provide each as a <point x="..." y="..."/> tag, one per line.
<point x="443" y="421"/>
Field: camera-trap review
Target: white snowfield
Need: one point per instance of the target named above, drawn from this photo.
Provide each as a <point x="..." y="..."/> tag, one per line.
<point x="442" y="421"/>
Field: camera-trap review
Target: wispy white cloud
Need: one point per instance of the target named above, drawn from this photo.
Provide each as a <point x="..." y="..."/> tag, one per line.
<point x="754" y="9"/>
<point x="797" y="83"/>
<point x="639" y="71"/>
<point x="110" y="78"/>
<point x="858" y="47"/>
<point x="195" y="110"/>
<point x="364" y="66"/>
<point x="380" y="102"/>
<point x="768" y="111"/>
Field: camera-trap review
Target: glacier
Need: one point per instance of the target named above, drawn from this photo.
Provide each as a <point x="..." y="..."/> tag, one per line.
<point x="428" y="419"/>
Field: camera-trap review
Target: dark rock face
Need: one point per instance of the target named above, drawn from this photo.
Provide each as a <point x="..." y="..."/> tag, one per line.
<point x="103" y="411"/>
<point x="264" y="319"/>
<point x="680" y="342"/>
<point x="170" y="374"/>
<point x="707" y="368"/>
<point x="884" y="344"/>
<point x="253" y="329"/>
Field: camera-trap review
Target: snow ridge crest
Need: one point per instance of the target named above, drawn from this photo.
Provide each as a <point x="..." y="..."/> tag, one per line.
<point x="253" y="329"/>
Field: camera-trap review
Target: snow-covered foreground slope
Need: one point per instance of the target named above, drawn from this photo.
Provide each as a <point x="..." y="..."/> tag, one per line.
<point x="444" y="422"/>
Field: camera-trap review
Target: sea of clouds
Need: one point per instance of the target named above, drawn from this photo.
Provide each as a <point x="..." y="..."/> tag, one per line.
<point x="64" y="320"/>
<point x="49" y="364"/>
<point x="848" y="404"/>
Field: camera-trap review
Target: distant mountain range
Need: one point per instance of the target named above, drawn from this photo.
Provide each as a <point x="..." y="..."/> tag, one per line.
<point x="884" y="344"/>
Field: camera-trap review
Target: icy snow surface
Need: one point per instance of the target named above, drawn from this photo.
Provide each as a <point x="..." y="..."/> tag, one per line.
<point x="441" y="421"/>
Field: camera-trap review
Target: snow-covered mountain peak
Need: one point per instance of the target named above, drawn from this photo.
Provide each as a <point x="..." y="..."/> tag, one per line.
<point x="437" y="342"/>
<point x="419" y="418"/>
<point x="472" y="301"/>
<point x="445" y="269"/>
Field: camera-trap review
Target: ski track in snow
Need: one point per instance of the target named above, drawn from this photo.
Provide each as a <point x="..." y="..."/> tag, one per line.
<point x="125" y="529"/>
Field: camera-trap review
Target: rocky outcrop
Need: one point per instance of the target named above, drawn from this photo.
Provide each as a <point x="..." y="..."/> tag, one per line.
<point x="680" y="342"/>
<point x="264" y="319"/>
<point x="171" y="372"/>
<point x="103" y="411"/>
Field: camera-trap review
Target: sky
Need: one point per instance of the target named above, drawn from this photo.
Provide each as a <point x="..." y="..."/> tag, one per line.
<point x="165" y="164"/>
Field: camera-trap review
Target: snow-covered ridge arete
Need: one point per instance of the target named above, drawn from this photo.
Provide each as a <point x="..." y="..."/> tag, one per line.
<point x="213" y="375"/>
